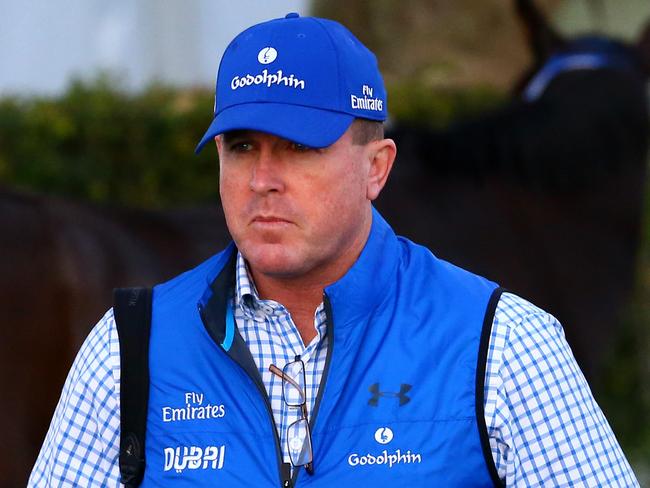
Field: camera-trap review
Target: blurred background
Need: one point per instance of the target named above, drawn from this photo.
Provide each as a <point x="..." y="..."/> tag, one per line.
<point x="102" y="104"/>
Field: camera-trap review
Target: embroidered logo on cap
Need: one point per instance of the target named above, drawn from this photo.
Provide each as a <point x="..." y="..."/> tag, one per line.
<point x="267" y="55"/>
<point x="366" y="100"/>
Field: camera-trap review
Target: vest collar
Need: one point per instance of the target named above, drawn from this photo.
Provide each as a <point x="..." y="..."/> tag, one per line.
<point x="359" y="291"/>
<point x="369" y="280"/>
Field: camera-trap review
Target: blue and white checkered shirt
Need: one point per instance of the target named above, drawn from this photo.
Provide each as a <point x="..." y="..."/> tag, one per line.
<point x="272" y="338"/>
<point x="544" y="426"/>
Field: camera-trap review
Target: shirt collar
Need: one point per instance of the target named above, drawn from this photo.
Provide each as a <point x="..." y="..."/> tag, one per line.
<point x="246" y="296"/>
<point x="248" y="300"/>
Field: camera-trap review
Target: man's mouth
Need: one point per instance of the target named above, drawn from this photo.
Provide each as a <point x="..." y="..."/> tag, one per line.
<point x="270" y="220"/>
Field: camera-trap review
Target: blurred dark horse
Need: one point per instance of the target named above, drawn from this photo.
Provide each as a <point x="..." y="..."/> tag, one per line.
<point x="59" y="261"/>
<point x="544" y="195"/>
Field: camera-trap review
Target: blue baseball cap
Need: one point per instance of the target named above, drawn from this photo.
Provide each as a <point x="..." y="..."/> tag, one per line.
<point x="304" y="79"/>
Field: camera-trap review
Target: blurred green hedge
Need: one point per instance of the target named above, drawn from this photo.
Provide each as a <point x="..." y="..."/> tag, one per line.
<point x="98" y="142"/>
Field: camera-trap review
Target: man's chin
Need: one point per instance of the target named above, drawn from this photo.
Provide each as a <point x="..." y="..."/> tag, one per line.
<point x="271" y="259"/>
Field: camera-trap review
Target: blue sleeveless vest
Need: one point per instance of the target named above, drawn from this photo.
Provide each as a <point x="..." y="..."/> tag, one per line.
<point x="400" y="403"/>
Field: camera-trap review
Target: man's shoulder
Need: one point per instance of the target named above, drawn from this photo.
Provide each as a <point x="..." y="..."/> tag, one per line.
<point x="97" y="361"/>
<point x="421" y="259"/>
<point x="516" y="311"/>
<point x="517" y="319"/>
<point x="194" y="281"/>
<point x="515" y="308"/>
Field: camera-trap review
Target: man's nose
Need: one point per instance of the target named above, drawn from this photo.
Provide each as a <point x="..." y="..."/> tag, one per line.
<point x="266" y="173"/>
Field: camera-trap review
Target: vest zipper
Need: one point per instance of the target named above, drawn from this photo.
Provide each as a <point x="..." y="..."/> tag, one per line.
<point x="284" y="468"/>
<point x="285" y="474"/>
<point x="329" y="324"/>
<point x="286" y="479"/>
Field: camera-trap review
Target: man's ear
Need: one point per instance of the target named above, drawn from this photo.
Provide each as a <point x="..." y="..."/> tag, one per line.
<point x="219" y="141"/>
<point x="382" y="155"/>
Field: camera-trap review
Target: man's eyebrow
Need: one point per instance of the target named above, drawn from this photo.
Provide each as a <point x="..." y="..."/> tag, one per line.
<point x="233" y="135"/>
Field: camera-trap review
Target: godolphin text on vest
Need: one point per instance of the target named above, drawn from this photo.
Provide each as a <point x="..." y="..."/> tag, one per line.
<point x="384" y="458"/>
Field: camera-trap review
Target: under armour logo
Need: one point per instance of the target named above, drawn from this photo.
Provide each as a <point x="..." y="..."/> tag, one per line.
<point x="376" y="394"/>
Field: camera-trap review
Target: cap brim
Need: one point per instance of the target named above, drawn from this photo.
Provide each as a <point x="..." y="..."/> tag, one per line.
<point x="305" y="125"/>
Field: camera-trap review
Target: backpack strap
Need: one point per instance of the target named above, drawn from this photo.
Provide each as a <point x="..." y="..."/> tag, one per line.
<point x="132" y="312"/>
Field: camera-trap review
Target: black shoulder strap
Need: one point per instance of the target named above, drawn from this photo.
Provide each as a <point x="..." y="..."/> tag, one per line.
<point x="132" y="311"/>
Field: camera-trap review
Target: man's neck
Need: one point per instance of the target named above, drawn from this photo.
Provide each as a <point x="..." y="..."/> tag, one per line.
<point x="300" y="299"/>
<point x="302" y="294"/>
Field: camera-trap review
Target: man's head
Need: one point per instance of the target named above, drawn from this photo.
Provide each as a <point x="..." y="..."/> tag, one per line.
<point x="298" y="124"/>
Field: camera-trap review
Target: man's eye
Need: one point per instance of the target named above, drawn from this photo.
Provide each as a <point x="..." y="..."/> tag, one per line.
<point x="241" y="147"/>
<point x="296" y="146"/>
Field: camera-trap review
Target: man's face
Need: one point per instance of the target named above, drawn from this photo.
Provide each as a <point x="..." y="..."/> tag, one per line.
<point x="293" y="211"/>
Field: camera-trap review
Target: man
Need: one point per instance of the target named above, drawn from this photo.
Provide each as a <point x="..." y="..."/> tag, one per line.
<point x="320" y="348"/>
